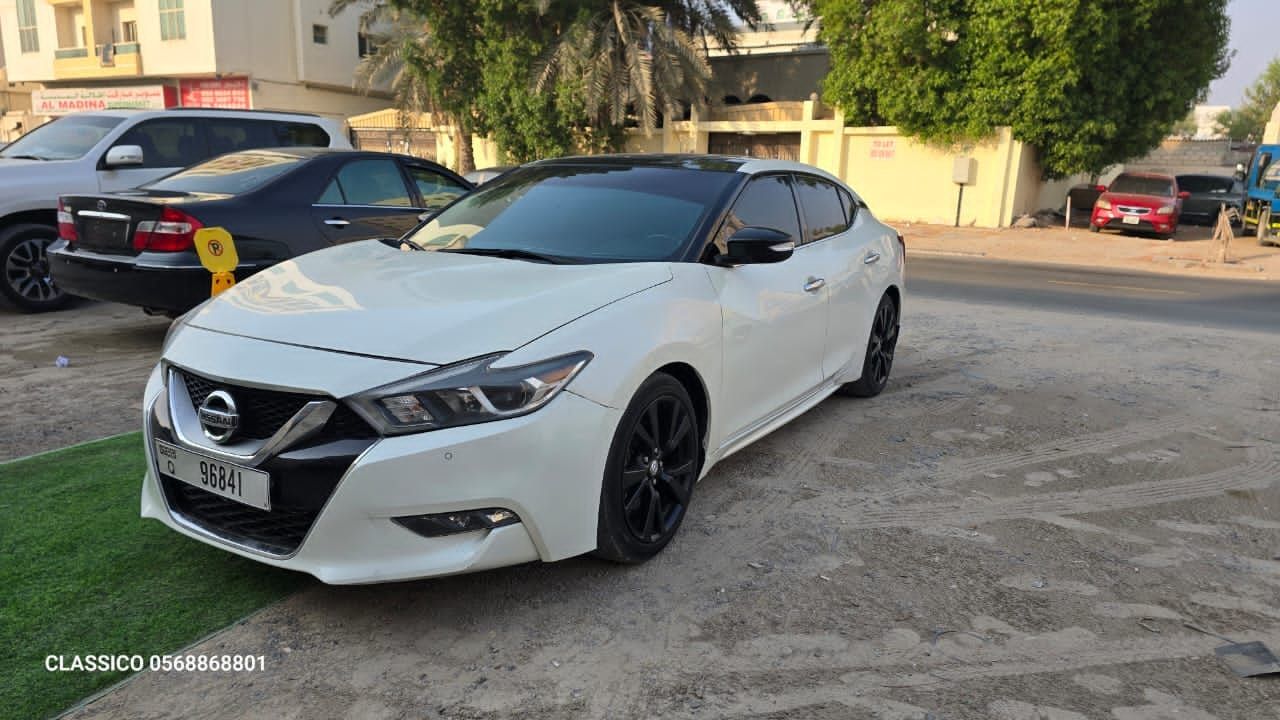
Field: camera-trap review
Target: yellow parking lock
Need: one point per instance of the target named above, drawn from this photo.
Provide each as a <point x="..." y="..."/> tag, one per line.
<point x="217" y="253"/>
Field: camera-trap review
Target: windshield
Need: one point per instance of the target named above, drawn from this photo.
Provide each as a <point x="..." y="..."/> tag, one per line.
<point x="1206" y="184"/>
<point x="65" y="138"/>
<point x="1140" y="185"/>
<point x="583" y="213"/>
<point x="229" y="174"/>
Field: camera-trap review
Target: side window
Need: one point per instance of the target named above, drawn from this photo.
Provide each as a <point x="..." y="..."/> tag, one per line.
<point x="850" y="205"/>
<point x="766" y="202"/>
<point x="436" y="189"/>
<point x="232" y="135"/>
<point x="373" y="182"/>
<point x="1264" y="161"/>
<point x="823" y="211"/>
<point x="290" y="134"/>
<point x="332" y="195"/>
<point x="167" y="143"/>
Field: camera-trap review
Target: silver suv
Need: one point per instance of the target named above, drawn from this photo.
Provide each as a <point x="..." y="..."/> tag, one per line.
<point x="117" y="150"/>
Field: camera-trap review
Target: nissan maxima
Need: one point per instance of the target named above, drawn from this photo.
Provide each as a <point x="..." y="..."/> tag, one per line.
<point x="545" y="368"/>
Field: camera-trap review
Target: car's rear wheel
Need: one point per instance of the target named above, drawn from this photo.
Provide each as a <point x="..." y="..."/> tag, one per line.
<point x="881" y="345"/>
<point x="648" y="479"/>
<point x="26" y="281"/>
<point x="1093" y="228"/>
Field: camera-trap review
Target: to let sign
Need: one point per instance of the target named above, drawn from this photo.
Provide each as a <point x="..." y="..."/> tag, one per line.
<point x="62" y="101"/>
<point x="883" y="149"/>
<point x="225" y="93"/>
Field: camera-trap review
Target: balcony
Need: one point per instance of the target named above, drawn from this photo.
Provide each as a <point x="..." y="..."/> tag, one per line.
<point x="79" y="64"/>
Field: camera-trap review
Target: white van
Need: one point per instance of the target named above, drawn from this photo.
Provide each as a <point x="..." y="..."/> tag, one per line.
<point x="111" y="150"/>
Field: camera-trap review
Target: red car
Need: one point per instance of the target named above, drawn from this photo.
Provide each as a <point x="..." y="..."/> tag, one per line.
<point x="1139" y="202"/>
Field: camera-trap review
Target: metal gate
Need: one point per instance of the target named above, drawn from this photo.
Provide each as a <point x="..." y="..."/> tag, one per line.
<point x="409" y="141"/>
<point x="769" y="146"/>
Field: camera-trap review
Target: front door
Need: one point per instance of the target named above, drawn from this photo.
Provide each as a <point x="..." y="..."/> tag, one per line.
<point x="774" y="315"/>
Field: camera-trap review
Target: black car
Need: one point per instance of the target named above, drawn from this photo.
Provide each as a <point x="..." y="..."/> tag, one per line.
<point x="1208" y="194"/>
<point x="137" y="247"/>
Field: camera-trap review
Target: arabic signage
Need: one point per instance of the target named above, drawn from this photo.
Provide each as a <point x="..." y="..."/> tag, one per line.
<point x="224" y="93"/>
<point x="61" y="101"/>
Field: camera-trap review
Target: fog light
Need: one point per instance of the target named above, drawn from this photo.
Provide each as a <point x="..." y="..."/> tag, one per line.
<point x="452" y="523"/>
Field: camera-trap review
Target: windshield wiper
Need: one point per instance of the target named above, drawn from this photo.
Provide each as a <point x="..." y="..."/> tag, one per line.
<point x="510" y="254"/>
<point x="23" y="157"/>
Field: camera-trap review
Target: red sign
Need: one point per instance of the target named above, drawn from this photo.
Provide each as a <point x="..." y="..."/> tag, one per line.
<point x="225" y="93"/>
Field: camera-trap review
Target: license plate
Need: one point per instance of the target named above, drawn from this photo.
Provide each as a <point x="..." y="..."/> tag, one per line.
<point x="228" y="480"/>
<point x="1130" y="220"/>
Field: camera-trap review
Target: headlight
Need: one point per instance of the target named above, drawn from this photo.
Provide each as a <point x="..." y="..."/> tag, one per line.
<point x="467" y="393"/>
<point x="1166" y="210"/>
<point x="1103" y="204"/>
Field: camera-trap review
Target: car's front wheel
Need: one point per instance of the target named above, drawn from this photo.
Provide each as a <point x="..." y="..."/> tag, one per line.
<point x="881" y="346"/>
<point x="26" y="281"/>
<point x="648" y="479"/>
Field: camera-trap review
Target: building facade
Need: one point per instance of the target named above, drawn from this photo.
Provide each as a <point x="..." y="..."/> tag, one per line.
<point x="235" y="54"/>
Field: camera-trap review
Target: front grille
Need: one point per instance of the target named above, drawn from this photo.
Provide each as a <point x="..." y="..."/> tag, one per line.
<point x="1129" y="210"/>
<point x="263" y="412"/>
<point x="279" y="531"/>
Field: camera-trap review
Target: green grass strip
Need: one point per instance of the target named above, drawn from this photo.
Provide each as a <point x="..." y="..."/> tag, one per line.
<point x="81" y="573"/>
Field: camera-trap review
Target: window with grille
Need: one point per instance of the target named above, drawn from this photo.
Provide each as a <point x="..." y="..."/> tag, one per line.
<point x="173" y="20"/>
<point x="28" y="34"/>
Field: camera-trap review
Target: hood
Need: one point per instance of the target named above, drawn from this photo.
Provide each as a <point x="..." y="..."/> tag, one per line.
<point x="369" y="298"/>
<point x="1147" y="201"/>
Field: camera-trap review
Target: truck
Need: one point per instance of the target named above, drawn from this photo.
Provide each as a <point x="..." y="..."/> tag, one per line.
<point x="1262" y="195"/>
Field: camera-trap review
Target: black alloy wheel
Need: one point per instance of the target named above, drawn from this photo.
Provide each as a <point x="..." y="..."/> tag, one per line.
<point x="881" y="345"/>
<point x="26" y="280"/>
<point x="652" y="467"/>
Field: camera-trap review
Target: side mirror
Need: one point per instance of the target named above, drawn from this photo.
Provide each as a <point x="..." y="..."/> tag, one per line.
<point x="1184" y="195"/>
<point x="123" y="155"/>
<point x="1100" y="188"/>
<point x="757" y="245"/>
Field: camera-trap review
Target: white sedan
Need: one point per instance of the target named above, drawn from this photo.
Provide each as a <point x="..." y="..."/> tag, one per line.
<point x="545" y="368"/>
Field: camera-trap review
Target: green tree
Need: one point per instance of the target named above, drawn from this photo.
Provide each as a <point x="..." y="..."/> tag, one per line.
<point x="1087" y="82"/>
<point x="1260" y="99"/>
<point x="625" y="57"/>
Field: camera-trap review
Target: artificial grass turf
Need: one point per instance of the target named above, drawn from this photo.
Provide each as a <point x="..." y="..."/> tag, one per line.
<point x="81" y="573"/>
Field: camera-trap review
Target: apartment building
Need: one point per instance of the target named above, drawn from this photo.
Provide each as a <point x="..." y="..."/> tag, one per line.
<point x="236" y="54"/>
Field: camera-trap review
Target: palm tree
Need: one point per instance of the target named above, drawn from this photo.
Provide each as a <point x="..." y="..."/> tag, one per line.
<point x="402" y="59"/>
<point x="642" y="57"/>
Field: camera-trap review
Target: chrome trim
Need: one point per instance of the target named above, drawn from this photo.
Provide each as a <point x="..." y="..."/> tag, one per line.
<point x="374" y="207"/>
<point x="788" y="246"/>
<point x="305" y="423"/>
<point x="103" y="215"/>
<point x="1132" y="210"/>
<point x="732" y="443"/>
<point x="337" y="222"/>
<point x="871" y="258"/>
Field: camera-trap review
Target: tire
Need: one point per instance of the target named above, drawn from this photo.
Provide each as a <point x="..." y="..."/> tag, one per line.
<point x="1093" y="228"/>
<point x="644" y="496"/>
<point x="24" y="268"/>
<point x="881" y="345"/>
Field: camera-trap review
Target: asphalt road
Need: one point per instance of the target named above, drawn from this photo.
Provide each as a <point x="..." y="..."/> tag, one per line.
<point x="1236" y="304"/>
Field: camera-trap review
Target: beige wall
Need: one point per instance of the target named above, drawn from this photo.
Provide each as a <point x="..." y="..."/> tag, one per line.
<point x="1272" y="133"/>
<point x="22" y="66"/>
<point x="296" y="97"/>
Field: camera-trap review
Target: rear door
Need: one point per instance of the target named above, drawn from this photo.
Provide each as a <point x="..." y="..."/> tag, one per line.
<point x="168" y="144"/>
<point x="367" y="197"/>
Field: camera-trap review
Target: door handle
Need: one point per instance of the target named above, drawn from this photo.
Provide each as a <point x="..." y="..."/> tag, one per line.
<point x="871" y="259"/>
<point x="337" y="222"/>
<point x="814" y="284"/>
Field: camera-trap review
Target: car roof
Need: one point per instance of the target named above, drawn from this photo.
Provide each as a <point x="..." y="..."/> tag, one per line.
<point x="1153" y="175"/>
<point x="210" y="112"/>
<point x="713" y="163"/>
<point x="309" y="152"/>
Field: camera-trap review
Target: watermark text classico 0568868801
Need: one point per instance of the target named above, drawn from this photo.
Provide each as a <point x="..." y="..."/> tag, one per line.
<point x="156" y="663"/>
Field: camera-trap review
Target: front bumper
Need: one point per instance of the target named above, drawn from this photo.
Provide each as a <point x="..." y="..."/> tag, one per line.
<point x="546" y="467"/>
<point x="170" y="284"/>
<point x="1152" y="223"/>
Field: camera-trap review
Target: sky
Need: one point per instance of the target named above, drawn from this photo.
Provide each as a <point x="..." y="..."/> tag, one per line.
<point x="1255" y="36"/>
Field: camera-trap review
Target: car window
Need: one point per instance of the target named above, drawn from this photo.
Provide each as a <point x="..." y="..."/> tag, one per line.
<point x="820" y="202"/>
<point x="167" y="143"/>
<point x="436" y="190"/>
<point x="1205" y="184"/>
<point x="332" y="195"/>
<point x="374" y="181"/>
<point x="64" y="138"/>
<point x="582" y="212"/>
<point x="1141" y="185"/>
<point x="765" y="202"/>
<point x="293" y="134"/>
<point x="232" y="135"/>
<point x="229" y="174"/>
<point x="850" y="206"/>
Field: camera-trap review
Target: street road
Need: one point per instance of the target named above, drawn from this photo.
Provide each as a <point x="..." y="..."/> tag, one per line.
<point x="1246" y="305"/>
